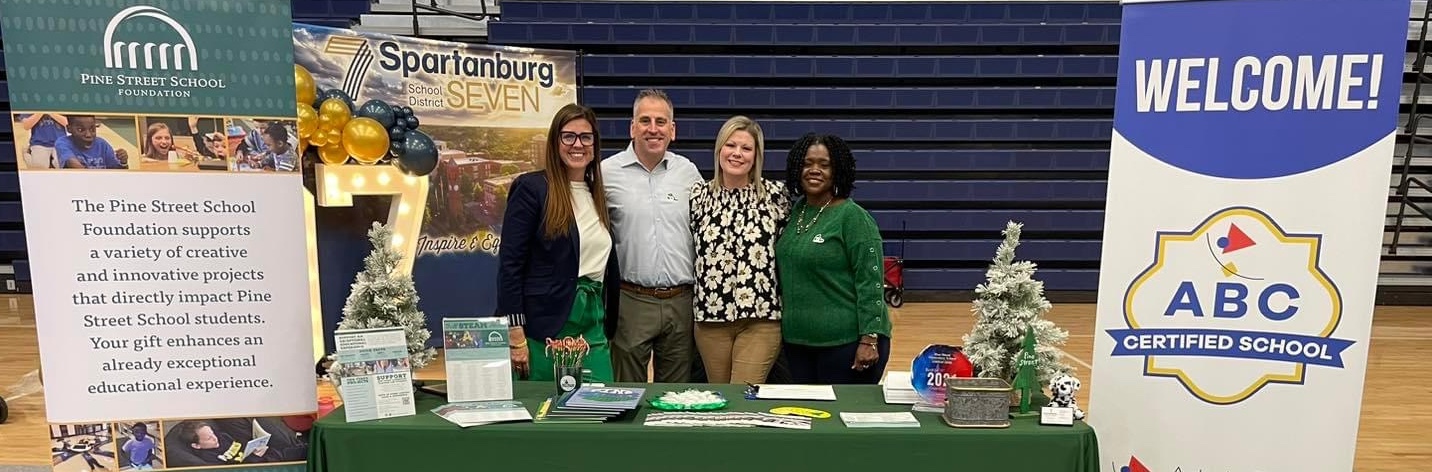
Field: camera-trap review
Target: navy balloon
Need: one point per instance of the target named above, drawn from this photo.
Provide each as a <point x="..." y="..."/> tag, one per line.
<point x="378" y="110"/>
<point x="421" y="155"/>
<point x="396" y="133"/>
<point x="321" y="96"/>
<point x="397" y="147"/>
<point x="412" y="122"/>
<point x="341" y="95"/>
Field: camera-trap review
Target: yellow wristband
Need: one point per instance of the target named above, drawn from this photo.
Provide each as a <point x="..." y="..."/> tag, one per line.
<point x="519" y="346"/>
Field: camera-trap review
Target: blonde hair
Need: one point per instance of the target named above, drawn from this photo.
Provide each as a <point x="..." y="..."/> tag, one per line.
<point x="742" y="123"/>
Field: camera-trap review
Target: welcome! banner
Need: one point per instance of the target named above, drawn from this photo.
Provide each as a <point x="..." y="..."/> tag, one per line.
<point x="166" y="224"/>
<point x="1247" y="187"/>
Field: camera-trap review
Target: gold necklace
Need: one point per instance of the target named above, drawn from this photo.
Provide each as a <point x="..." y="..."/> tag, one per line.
<point x="801" y="229"/>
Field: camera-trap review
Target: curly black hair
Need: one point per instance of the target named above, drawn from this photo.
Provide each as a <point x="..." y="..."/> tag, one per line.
<point x="842" y="163"/>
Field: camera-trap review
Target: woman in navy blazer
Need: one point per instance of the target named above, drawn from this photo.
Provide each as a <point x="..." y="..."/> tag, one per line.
<point x="556" y="252"/>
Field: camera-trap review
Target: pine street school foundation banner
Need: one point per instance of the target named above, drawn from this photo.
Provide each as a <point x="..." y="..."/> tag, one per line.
<point x="486" y="107"/>
<point x="1243" y="232"/>
<point x="157" y="167"/>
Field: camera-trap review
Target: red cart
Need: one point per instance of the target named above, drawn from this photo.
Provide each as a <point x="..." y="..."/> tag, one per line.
<point x="895" y="275"/>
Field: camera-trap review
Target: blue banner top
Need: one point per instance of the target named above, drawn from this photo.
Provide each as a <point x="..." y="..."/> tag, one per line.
<point x="1255" y="89"/>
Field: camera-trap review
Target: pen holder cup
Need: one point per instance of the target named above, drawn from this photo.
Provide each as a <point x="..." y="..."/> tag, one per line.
<point x="568" y="377"/>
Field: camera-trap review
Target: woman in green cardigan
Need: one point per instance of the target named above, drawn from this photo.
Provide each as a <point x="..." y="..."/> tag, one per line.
<point x="835" y="326"/>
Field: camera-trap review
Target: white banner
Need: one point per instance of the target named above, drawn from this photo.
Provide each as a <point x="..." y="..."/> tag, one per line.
<point x="1247" y="186"/>
<point x="177" y="297"/>
<point x="167" y="230"/>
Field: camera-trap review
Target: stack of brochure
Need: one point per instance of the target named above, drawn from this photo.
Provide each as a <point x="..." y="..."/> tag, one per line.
<point x="898" y="390"/>
<point x="899" y="419"/>
<point x="590" y="404"/>
<point x="481" y="413"/>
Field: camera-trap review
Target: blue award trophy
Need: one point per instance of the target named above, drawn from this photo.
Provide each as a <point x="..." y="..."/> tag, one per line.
<point x="929" y="370"/>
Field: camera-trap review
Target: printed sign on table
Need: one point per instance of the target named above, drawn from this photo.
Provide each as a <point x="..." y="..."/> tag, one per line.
<point x="1247" y="187"/>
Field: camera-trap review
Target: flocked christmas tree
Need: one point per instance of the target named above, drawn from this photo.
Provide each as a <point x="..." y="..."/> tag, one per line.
<point x="1009" y="304"/>
<point x="381" y="298"/>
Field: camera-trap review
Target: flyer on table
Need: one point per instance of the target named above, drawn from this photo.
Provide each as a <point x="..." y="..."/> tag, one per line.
<point x="478" y="359"/>
<point x="375" y="375"/>
<point x="1247" y="186"/>
<point x="155" y="139"/>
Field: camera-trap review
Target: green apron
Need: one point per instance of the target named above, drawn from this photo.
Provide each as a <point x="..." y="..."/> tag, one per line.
<point x="588" y="319"/>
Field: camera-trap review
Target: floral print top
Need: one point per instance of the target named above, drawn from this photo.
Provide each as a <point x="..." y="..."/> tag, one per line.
<point x="735" y="232"/>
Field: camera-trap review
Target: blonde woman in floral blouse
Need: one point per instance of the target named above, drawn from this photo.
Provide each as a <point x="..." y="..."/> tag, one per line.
<point x="735" y="220"/>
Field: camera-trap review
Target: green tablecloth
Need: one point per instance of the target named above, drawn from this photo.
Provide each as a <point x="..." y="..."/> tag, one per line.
<point x="427" y="442"/>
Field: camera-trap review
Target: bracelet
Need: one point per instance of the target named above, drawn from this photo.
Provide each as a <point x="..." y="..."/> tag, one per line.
<point x="519" y="346"/>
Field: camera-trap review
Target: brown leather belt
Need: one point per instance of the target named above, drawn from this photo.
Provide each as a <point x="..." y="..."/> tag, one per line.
<point x="661" y="292"/>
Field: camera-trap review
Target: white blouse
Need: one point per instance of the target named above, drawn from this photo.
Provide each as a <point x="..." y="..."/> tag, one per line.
<point x="596" y="242"/>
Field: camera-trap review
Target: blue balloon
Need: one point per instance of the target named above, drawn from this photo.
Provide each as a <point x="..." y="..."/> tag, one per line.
<point x="378" y="110"/>
<point x="319" y="98"/>
<point x="396" y="133"/>
<point x="397" y="147"/>
<point x="412" y="121"/>
<point x="421" y="155"/>
<point x="341" y="95"/>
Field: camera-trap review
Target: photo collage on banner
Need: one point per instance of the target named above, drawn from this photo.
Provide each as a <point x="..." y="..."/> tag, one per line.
<point x="486" y="110"/>
<point x="1247" y="187"/>
<point x="157" y="154"/>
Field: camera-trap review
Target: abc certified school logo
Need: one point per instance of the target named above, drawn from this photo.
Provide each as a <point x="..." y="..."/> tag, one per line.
<point x="148" y="55"/>
<point x="1231" y="306"/>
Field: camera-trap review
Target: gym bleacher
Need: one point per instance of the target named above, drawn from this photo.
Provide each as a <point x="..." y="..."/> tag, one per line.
<point x="963" y="115"/>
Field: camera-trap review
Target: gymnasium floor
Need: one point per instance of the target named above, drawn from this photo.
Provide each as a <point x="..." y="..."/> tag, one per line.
<point x="1393" y="435"/>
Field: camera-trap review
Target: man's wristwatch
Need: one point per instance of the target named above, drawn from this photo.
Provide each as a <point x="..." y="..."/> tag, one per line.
<point x="870" y="339"/>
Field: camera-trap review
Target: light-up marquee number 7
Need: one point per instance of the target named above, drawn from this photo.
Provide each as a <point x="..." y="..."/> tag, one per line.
<point x="337" y="185"/>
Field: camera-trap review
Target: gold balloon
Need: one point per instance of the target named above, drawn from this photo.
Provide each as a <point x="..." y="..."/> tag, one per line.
<point x="336" y="111"/>
<point x="307" y="120"/>
<point x="318" y="139"/>
<point x="307" y="91"/>
<point x="333" y="154"/>
<point x="365" y="139"/>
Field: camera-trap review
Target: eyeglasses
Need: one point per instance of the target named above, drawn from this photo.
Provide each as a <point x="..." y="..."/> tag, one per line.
<point x="571" y="138"/>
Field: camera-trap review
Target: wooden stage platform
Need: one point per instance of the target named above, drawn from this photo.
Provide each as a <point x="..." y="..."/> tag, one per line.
<point x="1393" y="435"/>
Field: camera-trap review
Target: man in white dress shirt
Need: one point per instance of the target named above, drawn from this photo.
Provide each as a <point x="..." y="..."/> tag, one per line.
<point x="648" y="194"/>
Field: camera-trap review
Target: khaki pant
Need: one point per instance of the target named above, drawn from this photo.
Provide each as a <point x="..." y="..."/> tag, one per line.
<point x="41" y="157"/>
<point x="655" y="330"/>
<point x="738" y="352"/>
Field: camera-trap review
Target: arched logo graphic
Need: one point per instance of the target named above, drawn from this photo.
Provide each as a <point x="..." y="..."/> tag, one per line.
<point x="155" y="55"/>
<point x="1231" y="306"/>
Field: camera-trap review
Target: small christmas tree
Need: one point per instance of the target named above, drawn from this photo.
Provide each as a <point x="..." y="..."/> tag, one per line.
<point x="381" y="298"/>
<point x="1010" y="304"/>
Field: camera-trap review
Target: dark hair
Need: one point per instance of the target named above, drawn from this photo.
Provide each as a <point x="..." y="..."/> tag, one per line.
<point x="842" y="163"/>
<point x="277" y="131"/>
<point x="190" y="433"/>
<point x="557" y="215"/>
<point x="654" y="94"/>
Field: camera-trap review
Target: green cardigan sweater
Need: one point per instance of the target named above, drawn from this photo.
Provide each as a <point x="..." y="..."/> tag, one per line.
<point x="832" y="276"/>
